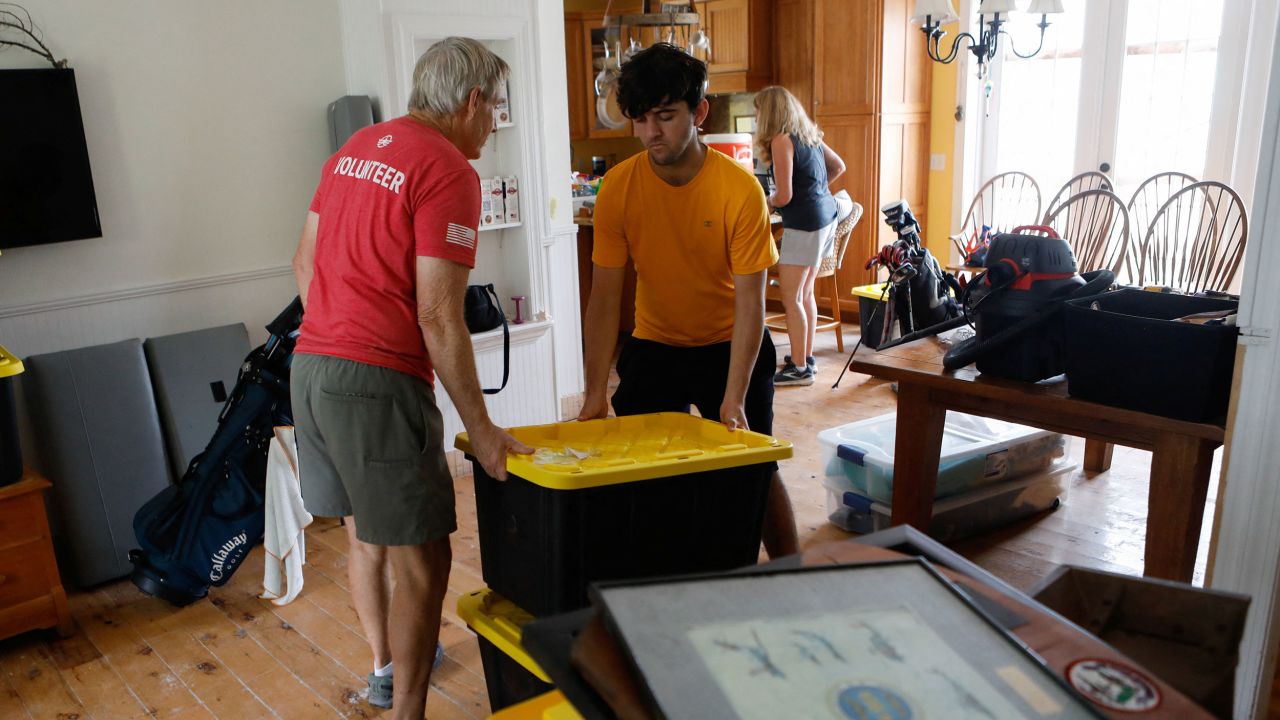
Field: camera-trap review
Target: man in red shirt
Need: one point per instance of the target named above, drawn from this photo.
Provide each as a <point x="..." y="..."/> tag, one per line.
<point x="382" y="269"/>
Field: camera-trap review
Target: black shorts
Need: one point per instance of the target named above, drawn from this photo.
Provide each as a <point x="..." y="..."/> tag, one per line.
<point x="653" y="377"/>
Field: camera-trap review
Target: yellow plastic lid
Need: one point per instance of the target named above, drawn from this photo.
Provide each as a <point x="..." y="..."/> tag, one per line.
<point x="499" y="621"/>
<point x="9" y="365"/>
<point x="577" y="455"/>
<point x="875" y="291"/>
<point x="547" y="706"/>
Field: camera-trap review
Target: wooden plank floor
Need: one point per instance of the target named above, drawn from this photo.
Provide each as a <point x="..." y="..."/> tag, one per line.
<point x="236" y="656"/>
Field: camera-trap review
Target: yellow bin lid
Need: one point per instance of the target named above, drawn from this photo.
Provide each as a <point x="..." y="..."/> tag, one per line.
<point x="875" y="291"/>
<point x="547" y="706"/>
<point x="577" y="455"/>
<point x="9" y="365"/>
<point x="499" y="621"/>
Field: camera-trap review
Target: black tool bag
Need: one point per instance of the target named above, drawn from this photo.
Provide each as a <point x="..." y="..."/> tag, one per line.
<point x="194" y="534"/>
<point x="483" y="313"/>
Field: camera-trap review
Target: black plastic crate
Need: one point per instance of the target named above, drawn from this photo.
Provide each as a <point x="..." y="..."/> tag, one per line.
<point x="871" y="320"/>
<point x="10" y="447"/>
<point x="540" y="547"/>
<point x="506" y="679"/>
<point x="1124" y="349"/>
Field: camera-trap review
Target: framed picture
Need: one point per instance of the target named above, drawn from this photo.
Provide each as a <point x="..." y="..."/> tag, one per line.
<point x="886" y="640"/>
<point x="744" y="123"/>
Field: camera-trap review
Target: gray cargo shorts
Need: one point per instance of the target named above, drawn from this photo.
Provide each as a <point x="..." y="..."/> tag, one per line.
<point x="370" y="445"/>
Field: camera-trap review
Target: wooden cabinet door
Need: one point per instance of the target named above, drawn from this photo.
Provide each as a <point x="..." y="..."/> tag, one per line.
<point x="729" y="22"/>
<point x="574" y="57"/>
<point x="906" y="70"/>
<point x="855" y="139"/>
<point x="793" y="49"/>
<point x="847" y="56"/>
<point x="904" y="168"/>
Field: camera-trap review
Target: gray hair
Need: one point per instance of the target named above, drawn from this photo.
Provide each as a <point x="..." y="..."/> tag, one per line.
<point x="449" y="70"/>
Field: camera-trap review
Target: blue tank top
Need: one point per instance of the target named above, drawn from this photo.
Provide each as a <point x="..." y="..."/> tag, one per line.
<point x="811" y="206"/>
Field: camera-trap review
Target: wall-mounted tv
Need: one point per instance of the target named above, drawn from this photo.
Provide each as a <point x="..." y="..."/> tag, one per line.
<point x="46" y="188"/>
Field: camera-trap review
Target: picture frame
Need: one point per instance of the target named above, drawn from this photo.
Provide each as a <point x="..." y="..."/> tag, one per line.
<point x="744" y="124"/>
<point x="825" y="642"/>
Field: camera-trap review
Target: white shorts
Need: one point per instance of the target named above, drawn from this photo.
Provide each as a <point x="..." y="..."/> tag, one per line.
<point x="806" y="247"/>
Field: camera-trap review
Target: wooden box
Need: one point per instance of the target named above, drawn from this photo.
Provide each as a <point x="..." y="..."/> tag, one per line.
<point x="1188" y="636"/>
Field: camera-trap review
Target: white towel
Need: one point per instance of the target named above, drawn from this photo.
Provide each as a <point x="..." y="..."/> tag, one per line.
<point x="285" y="539"/>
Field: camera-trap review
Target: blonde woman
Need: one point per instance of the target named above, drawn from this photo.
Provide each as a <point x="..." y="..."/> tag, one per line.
<point x="803" y="168"/>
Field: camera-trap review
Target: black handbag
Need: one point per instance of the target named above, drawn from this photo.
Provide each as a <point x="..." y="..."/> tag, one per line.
<point x="483" y="313"/>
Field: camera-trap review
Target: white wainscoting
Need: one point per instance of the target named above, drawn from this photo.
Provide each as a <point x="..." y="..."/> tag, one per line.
<point x="253" y="297"/>
<point x="530" y="396"/>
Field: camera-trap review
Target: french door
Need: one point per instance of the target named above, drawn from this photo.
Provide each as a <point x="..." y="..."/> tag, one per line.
<point x="1121" y="86"/>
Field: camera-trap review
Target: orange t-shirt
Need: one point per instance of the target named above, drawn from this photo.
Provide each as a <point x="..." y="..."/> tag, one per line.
<point x="687" y="243"/>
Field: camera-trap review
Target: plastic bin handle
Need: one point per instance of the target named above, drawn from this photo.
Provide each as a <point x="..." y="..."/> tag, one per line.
<point x="562" y="468"/>
<point x="731" y="447"/>
<point x="672" y="454"/>
<point x="851" y="453"/>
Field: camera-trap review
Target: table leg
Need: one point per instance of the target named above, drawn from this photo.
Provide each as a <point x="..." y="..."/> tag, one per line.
<point x="1097" y="455"/>
<point x="1180" y="468"/>
<point x="915" y="464"/>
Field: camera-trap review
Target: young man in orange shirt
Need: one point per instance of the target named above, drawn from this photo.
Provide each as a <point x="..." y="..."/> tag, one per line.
<point x="696" y="226"/>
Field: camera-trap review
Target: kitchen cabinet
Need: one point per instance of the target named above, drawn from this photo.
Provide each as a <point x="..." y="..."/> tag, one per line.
<point x="585" y="37"/>
<point x="574" y="51"/>
<point x="862" y="73"/>
<point x="741" y="58"/>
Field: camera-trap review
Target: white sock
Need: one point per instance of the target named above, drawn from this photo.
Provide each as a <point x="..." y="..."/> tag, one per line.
<point x="384" y="671"/>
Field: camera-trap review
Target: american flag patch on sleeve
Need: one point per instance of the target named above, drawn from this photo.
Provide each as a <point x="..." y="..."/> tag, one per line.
<point x="460" y="235"/>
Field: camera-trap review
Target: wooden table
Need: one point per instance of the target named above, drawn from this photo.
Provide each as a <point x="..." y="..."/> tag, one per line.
<point x="1181" y="452"/>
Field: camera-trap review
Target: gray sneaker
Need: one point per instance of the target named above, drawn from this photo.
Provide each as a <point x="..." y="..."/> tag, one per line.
<point x="812" y="363"/>
<point x="792" y="375"/>
<point x="380" y="690"/>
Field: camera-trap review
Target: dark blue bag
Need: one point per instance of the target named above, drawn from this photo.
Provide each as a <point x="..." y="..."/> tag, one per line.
<point x="194" y="534"/>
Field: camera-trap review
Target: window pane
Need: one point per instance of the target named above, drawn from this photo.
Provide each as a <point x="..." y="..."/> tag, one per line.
<point x="1171" y="56"/>
<point x="1039" y="97"/>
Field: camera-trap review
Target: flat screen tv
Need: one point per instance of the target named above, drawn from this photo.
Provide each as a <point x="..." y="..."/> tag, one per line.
<point x="46" y="188"/>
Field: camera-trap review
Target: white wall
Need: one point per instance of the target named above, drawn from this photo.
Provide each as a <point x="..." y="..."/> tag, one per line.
<point x="206" y="131"/>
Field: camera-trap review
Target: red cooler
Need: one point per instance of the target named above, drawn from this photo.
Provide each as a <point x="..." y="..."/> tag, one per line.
<point x="735" y="145"/>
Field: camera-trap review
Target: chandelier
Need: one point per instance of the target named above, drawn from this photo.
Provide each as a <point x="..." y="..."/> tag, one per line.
<point x="992" y="15"/>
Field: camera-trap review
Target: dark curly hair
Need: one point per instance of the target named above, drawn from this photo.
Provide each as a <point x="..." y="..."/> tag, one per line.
<point x="658" y="75"/>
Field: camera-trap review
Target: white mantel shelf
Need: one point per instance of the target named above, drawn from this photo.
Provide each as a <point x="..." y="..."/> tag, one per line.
<point x="525" y="332"/>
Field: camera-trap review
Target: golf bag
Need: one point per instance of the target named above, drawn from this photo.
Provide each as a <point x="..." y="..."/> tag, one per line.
<point x="195" y="533"/>
<point x="921" y="295"/>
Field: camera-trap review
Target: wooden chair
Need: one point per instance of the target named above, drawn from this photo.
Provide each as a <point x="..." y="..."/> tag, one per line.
<point x="1087" y="180"/>
<point x="1095" y="224"/>
<point x="1196" y="240"/>
<point x="826" y="276"/>
<point x="1003" y="202"/>
<point x="1147" y="200"/>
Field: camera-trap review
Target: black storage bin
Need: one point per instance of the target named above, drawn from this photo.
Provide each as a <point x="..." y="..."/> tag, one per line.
<point x="871" y="312"/>
<point x="541" y="547"/>
<point x="619" y="498"/>
<point x="1124" y="349"/>
<point x="10" y="447"/>
<point x="510" y="675"/>
<point x="506" y="680"/>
